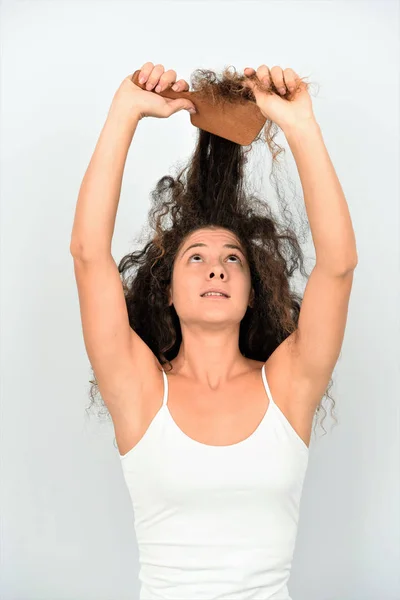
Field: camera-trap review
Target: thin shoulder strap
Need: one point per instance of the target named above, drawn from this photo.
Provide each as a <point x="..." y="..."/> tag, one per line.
<point x="264" y="377"/>
<point x="165" y="398"/>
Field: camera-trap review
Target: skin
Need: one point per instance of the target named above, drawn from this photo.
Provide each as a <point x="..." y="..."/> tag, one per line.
<point x="209" y="353"/>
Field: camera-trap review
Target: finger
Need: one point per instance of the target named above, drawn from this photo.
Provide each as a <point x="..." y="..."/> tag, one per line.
<point x="181" y="86"/>
<point x="154" y="76"/>
<point x="166" y="80"/>
<point x="173" y="106"/>
<point x="264" y="75"/>
<point x="278" y="79"/>
<point x="145" y="72"/>
<point x="290" y="79"/>
<point x="248" y="72"/>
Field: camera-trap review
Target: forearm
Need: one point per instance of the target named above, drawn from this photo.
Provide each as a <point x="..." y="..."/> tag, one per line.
<point x="99" y="194"/>
<point x="326" y="205"/>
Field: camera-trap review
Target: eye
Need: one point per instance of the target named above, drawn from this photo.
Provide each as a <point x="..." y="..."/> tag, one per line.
<point x="235" y="255"/>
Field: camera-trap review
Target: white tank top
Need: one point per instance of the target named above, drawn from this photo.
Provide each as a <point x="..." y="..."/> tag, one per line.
<point x="216" y="522"/>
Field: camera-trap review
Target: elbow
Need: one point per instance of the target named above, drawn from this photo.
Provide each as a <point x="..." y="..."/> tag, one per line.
<point x="338" y="269"/>
<point x="353" y="263"/>
<point x="349" y="267"/>
<point x="75" y="249"/>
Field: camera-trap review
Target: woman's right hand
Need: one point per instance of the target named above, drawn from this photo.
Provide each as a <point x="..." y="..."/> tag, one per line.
<point x="146" y="103"/>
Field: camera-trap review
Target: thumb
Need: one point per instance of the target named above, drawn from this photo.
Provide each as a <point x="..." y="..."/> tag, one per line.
<point x="180" y="104"/>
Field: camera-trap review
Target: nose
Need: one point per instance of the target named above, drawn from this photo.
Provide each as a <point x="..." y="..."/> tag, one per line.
<point x="221" y="274"/>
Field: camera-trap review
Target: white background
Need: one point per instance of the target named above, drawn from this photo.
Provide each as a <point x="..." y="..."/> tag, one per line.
<point x="66" y="519"/>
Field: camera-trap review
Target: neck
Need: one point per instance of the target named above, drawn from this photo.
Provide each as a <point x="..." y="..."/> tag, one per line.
<point x="211" y="360"/>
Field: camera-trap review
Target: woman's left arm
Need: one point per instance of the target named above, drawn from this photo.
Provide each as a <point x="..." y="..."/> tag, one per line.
<point x="323" y="314"/>
<point x="326" y="206"/>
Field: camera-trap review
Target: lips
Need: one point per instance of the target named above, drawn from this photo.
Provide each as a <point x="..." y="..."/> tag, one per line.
<point x="216" y="297"/>
<point x="225" y="295"/>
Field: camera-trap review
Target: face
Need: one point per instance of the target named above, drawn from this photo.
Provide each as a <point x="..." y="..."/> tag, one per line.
<point x="211" y="263"/>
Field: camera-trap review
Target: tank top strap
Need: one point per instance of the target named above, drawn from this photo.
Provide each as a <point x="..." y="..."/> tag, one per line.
<point x="165" y="398"/>
<point x="264" y="377"/>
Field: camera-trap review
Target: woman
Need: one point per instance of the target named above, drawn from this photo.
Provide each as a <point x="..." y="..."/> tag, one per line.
<point x="215" y="453"/>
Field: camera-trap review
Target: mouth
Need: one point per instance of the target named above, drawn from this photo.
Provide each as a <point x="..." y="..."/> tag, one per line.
<point x="217" y="297"/>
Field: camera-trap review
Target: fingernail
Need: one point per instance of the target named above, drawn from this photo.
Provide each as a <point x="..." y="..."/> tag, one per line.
<point x="175" y="87"/>
<point x="192" y="110"/>
<point x="282" y="91"/>
<point x="142" y="79"/>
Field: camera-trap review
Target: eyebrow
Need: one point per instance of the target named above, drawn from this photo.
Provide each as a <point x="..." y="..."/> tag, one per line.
<point x="201" y="244"/>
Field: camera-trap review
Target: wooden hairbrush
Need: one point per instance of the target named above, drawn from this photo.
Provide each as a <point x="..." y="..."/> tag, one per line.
<point x="239" y="122"/>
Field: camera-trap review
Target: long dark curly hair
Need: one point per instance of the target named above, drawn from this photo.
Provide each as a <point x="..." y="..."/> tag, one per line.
<point x="211" y="191"/>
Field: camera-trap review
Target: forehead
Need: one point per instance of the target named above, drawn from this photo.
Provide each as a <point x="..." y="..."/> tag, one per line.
<point x="211" y="237"/>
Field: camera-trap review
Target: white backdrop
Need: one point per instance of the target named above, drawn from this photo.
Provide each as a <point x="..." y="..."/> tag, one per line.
<point x="66" y="520"/>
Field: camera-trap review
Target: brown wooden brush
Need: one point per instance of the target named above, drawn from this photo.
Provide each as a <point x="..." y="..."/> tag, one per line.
<point x="239" y="122"/>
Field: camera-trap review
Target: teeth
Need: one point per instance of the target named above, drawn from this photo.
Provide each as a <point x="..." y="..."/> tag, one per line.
<point x="213" y="294"/>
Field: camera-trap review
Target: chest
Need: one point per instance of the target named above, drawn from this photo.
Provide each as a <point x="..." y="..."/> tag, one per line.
<point x="223" y="418"/>
<point x="215" y="418"/>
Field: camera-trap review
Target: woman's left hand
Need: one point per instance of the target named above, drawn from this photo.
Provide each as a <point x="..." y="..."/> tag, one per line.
<point x="295" y="108"/>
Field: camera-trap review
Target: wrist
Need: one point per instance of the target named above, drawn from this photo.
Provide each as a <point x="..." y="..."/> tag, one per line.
<point x="123" y="116"/>
<point x="306" y="126"/>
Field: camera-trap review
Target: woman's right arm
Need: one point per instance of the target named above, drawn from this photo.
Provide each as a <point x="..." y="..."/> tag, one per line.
<point x="120" y="359"/>
<point x="116" y="353"/>
<point x="99" y="194"/>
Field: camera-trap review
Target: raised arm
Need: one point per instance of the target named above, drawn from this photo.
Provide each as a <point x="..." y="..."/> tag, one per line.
<point x="120" y="359"/>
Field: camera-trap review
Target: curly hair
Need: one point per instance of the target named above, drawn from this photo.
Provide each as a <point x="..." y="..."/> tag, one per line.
<point x="211" y="191"/>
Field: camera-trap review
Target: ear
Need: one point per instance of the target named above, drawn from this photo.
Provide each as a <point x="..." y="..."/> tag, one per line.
<point x="252" y="296"/>
<point x="169" y="296"/>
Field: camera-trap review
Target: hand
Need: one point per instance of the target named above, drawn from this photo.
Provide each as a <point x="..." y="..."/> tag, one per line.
<point x="142" y="103"/>
<point x="286" y="113"/>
